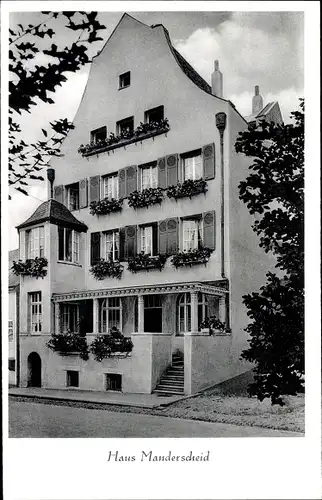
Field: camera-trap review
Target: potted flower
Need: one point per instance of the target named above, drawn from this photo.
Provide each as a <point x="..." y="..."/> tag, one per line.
<point x="31" y="267"/>
<point x="212" y="325"/>
<point x="146" y="262"/>
<point x="188" y="188"/>
<point x="192" y="257"/>
<point x="110" y="345"/>
<point x="68" y="344"/>
<point x="106" y="206"/>
<point x="107" y="268"/>
<point x="145" y="198"/>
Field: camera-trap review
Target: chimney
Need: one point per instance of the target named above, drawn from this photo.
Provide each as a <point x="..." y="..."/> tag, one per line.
<point x="217" y="81"/>
<point x="257" y="101"/>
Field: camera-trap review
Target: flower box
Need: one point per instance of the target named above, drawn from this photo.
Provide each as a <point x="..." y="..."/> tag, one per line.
<point x="106" y="206"/>
<point x="31" y="267"/>
<point x="192" y="257"/>
<point x="144" y="262"/>
<point x="68" y="344"/>
<point x="188" y="188"/>
<point x="107" y="269"/>
<point x="142" y="132"/>
<point x="213" y="326"/>
<point x="145" y="198"/>
<point x="110" y="345"/>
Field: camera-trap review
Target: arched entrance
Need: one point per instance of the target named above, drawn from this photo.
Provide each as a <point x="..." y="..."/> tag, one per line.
<point x="34" y="370"/>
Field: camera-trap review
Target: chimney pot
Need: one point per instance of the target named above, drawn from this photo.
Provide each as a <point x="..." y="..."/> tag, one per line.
<point x="217" y="81"/>
<point x="257" y="104"/>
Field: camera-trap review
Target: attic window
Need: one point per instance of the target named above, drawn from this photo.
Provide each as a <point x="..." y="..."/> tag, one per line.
<point x="154" y="115"/>
<point x="98" y="135"/>
<point x="125" y="80"/>
<point x="125" y="127"/>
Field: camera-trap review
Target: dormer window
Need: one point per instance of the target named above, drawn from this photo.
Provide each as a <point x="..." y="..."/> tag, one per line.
<point x="155" y="115"/>
<point x="125" y="80"/>
<point x="98" y="135"/>
<point x="125" y="127"/>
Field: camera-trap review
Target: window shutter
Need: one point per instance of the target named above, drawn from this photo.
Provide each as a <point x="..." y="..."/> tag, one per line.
<point x="172" y="170"/>
<point x="163" y="237"/>
<point x="130" y="242"/>
<point x="172" y="230"/>
<point x="95" y="248"/>
<point x="162" y="173"/>
<point x="209" y="230"/>
<point x="83" y="198"/>
<point x="122" y="183"/>
<point x="131" y="179"/>
<point x="94" y="188"/>
<point x="122" y="243"/>
<point x="155" y="238"/>
<point x="209" y="161"/>
<point x="59" y="193"/>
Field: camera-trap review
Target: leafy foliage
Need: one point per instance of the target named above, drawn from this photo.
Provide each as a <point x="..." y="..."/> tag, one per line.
<point x="33" y="80"/>
<point x="274" y="191"/>
<point x="189" y="188"/>
<point x="146" y="262"/>
<point x="213" y="324"/>
<point x="106" y="206"/>
<point x="114" y="344"/>
<point x="67" y="343"/>
<point x="107" y="268"/>
<point x="196" y="256"/>
<point x="35" y="268"/>
<point x="145" y="198"/>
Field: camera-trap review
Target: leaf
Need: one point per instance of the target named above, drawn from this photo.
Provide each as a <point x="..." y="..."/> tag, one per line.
<point x="44" y="132"/>
<point x="21" y="190"/>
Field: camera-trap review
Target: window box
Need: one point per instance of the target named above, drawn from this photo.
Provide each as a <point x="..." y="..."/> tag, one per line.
<point x="107" y="268"/>
<point x="68" y="344"/>
<point x="142" y="132"/>
<point x="31" y="267"/>
<point x="145" y="198"/>
<point x="213" y="326"/>
<point x="106" y="206"/>
<point x="112" y="345"/>
<point x="145" y="262"/>
<point x="188" y="188"/>
<point x="192" y="257"/>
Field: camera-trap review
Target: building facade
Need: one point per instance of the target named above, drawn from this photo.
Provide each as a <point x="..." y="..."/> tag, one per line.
<point x="148" y="188"/>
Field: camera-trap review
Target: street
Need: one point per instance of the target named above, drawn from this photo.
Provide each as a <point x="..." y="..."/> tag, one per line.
<point x="31" y="420"/>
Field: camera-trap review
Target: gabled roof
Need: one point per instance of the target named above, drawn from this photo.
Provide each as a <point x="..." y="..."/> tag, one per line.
<point x="266" y="111"/>
<point x="55" y="213"/>
<point x="191" y="72"/>
<point x="14" y="280"/>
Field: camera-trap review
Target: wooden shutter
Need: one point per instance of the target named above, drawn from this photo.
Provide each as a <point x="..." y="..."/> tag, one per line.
<point x="163" y="237"/>
<point x="209" y="230"/>
<point x="172" y="230"/>
<point x="130" y="242"/>
<point x="172" y="169"/>
<point x="122" y="183"/>
<point x="162" y="173"/>
<point x="83" y="190"/>
<point x="95" y="248"/>
<point x="94" y="188"/>
<point x="209" y="161"/>
<point x="155" y="238"/>
<point x="59" y="193"/>
<point x="131" y="179"/>
<point x="122" y="243"/>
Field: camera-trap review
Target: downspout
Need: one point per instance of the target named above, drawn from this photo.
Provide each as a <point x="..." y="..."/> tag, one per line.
<point x="17" y="336"/>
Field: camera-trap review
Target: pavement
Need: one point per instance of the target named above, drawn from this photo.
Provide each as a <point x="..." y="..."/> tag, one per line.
<point x="108" y="398"/>
<point x="38" y="420"/>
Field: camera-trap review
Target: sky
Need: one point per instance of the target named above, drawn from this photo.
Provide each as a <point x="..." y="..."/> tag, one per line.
<point x="253" y="48"/>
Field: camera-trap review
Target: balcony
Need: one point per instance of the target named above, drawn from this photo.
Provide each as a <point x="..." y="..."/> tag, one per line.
<point x="142" y="132"/>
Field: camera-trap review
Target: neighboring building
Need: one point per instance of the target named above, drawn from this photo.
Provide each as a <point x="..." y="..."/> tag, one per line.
<point x="270" y="112"/>
<point x="13" y="318"/>
<point x="139" y="80"/>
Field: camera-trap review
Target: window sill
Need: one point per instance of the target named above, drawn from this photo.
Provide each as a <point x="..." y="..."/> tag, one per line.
<point x="68" y="263"/>
<point x="125" y="87"/>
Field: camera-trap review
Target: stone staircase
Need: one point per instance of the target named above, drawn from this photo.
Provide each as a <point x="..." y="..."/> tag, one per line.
<point x="172" y="380"/>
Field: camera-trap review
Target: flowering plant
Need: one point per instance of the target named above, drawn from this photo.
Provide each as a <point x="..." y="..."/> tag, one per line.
<point x="67" y="343"/>
<point x="113" y="344"/>
<point x="214" y="325"/>
<point x="31" y="267"/>
<point x="196" y="256"/>
<point x="145" y="198"/>
<point x="189" y="188"/>
<point x="106" y="206"/>
<point x="104" y="268"/>
<point x="145" y="262"/>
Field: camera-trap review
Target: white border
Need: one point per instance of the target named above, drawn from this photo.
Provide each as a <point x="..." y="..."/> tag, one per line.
<point x="240" y="468"/>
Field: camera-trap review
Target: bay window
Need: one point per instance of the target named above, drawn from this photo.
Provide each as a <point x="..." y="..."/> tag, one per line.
<point x="191" y="234"/>
<point x="112" y="245"/>
<point x="149" y="177"/>
<point x="35" y="242"/>
<point x="68" y="245"/>
<point x="111" y="187"/>
<point x="35" y="312"/>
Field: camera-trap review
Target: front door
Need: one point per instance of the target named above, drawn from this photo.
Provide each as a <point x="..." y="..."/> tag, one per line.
<point x="34" y="370"/>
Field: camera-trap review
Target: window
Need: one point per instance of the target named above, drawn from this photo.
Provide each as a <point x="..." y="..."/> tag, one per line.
<point x="192" y="166"/>
<point x="146" y="242"/>
<point x="35" y="312"/>
<point x="73" y="196"/>
<point x="72" y="378"/>
<point x="111" y="186"/>
<point x="153" y="313"/>
<point x="125" y="127"/>
<point x="149" y="176"/>
<point x="125" y="80"/>
<point x="98" y="135"/>
<point x="110" y="314"/>
<point x="113" y="382"/>
<point x="154" y="115"/>
<point x="69" y="318"/>
<point x="191" y="234"/>
<point x="12" y="365"/>
<point x="202" y="307"/>
<point x="184" y="313"/>
<point x="112" y="245"/>
<point x="10" y="330"/>
<point x="68" y="245"/>
<point x="35" y="242"/>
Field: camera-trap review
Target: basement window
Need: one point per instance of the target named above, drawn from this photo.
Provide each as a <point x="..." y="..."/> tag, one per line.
<point x="113" y="382"/>
<point x="72" y="378"/>
<point x="125" y="80"/>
